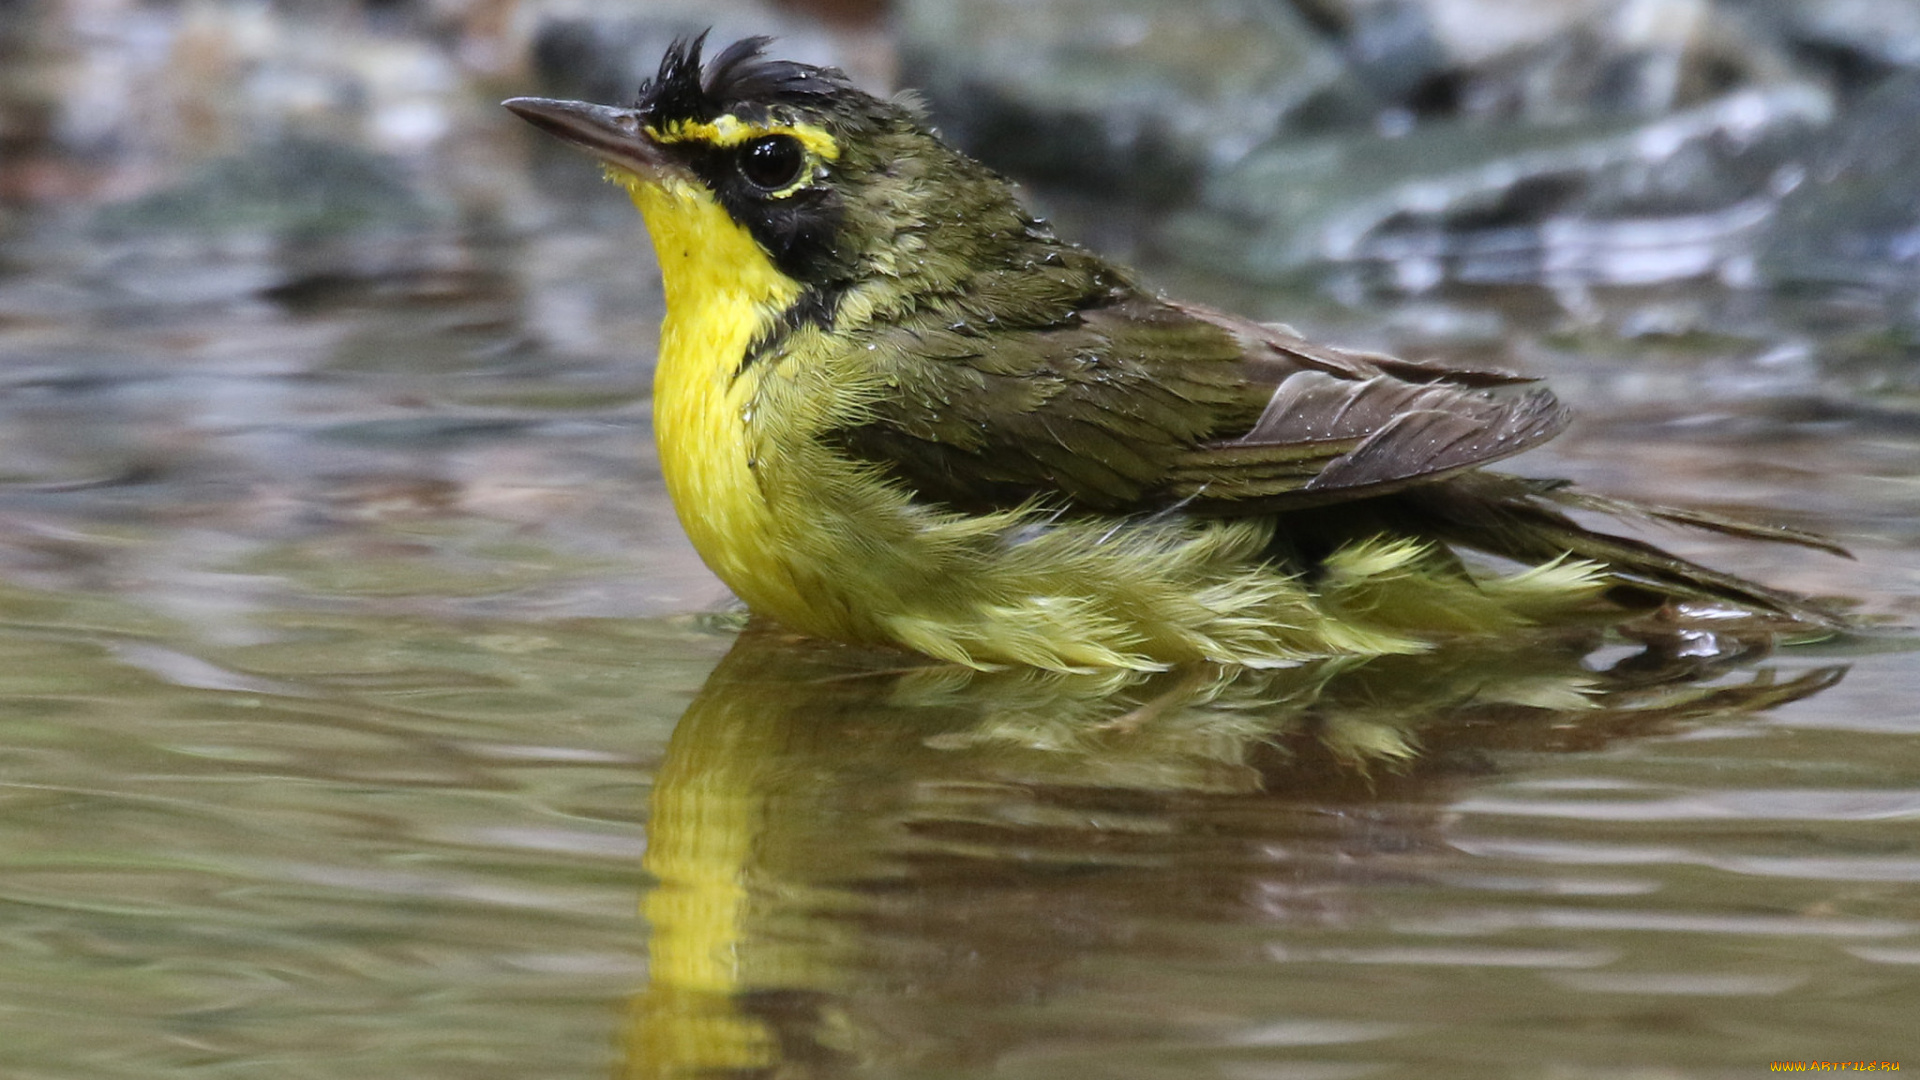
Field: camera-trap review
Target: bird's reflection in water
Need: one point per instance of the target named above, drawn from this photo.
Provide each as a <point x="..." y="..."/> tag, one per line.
<point x="861" y="866"/>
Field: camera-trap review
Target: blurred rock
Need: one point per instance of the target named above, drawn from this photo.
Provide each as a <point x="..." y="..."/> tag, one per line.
<point x="111" y="100"/>
<point x="1137" y="97"/>
<point x="281" y="213"/>
<point x="1637" y="57"/>
<point x="1604" y="201"/>
<point x="1855" y="219"/>
<point x="1860" y="38"/>
<point x="1394" y="48"/>
<point x="1551" y="61"/>
<point x="1398" y="44"/>
<point x="604" y="53"/>
<point x="294" y="189"/>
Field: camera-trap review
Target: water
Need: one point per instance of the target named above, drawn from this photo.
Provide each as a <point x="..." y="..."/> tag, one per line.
<point x="365" y="714"/>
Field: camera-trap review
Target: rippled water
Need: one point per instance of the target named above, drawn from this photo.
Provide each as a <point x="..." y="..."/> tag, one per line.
<point x="366" y="715"/>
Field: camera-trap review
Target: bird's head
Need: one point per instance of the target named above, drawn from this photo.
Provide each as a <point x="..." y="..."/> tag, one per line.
<point x="832" y="186"/>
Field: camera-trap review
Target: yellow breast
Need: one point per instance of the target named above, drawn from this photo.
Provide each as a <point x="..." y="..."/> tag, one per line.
<point x="721" y="292"/>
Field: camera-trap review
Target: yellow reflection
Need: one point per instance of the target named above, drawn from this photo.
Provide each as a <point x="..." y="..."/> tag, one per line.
<point x="806" y="777"/>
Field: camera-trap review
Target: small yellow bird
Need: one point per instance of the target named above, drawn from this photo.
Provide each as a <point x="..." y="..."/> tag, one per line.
<point x="894" y="408"/>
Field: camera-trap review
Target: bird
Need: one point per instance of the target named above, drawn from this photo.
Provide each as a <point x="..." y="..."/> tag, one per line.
<point x="893" y="407"/>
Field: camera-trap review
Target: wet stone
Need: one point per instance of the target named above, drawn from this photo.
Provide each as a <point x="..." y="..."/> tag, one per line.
<point x="604" y="56"/>
<point x="1550" y="60"/>
<point x="1394" y="48"/>
<point x="1608" y="200"/>
<point x="296" y="188"/>
<point x="1855" y="218"/>
<point x="1857" y="37"/>
<point x="282" y="212"/>
<point x="1616" y="66"/>
<point x="1141" y="97"/>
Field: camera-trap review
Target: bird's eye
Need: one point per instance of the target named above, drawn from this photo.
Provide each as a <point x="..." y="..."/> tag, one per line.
<point x="772" y="162"/>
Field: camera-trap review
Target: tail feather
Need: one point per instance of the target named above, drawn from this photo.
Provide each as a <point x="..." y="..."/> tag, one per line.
<point x="1522" y="520"/>
<point x="1565" y="495"/>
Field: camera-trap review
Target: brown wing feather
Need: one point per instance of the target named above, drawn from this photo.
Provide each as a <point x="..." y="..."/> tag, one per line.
<point x="1387" y="422"/>
<point x="1138" y="403"/>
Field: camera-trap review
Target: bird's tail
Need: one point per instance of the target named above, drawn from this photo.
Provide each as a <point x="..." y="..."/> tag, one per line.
<point x="1528" y="521"/>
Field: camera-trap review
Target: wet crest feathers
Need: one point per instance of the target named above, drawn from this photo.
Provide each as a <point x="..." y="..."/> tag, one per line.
<point x="740" y="81"/>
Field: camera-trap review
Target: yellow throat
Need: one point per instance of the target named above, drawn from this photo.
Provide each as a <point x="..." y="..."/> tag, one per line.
<point x="722" y="292"/>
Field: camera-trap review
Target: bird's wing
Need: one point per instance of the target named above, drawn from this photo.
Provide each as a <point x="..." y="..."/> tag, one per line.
<point x="1339" y="424"/>
<point x="1139" y="404"/>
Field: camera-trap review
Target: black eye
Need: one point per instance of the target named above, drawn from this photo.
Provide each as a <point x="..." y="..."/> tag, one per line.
<point x="772" y="162"/>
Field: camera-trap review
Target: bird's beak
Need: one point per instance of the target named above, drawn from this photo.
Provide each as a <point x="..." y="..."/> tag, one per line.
<point x="615" y="136"/>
